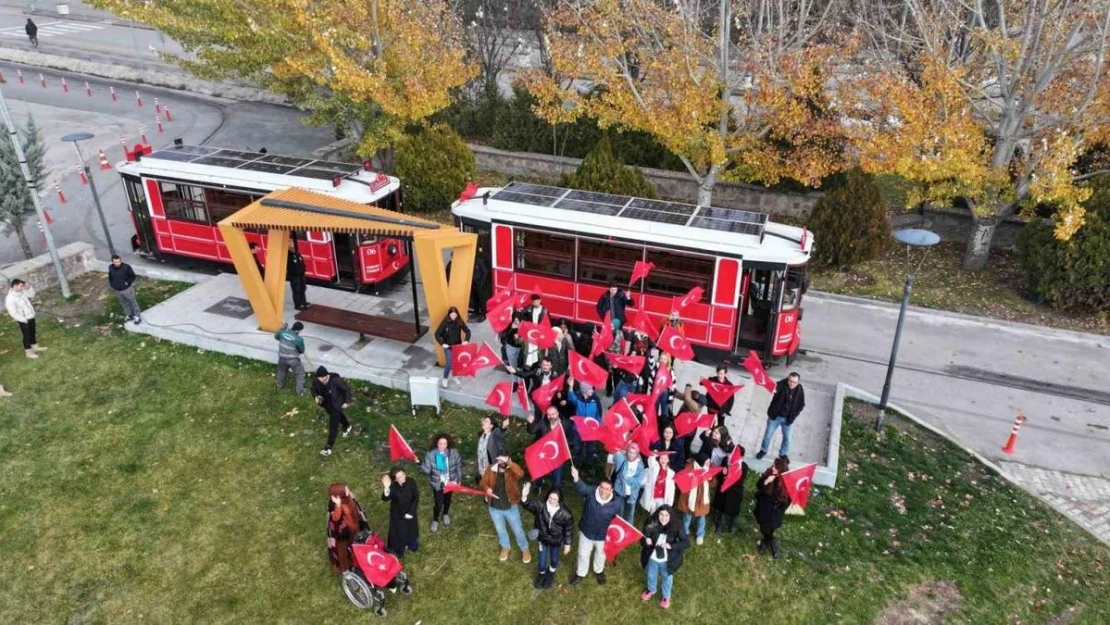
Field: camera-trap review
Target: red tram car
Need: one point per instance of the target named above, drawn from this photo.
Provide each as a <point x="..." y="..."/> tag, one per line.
<point x="177" y="196"/>
<point x="570" y="244"/>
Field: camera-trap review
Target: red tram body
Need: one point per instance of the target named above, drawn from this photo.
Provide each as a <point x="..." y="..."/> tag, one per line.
<point x="569" y="245"/>
<point x="178" y="195"/>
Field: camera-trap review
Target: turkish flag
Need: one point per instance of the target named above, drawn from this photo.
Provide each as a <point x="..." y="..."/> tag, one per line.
<point x="522" y="396"/>
<point x="398" y="448"/>
<point x="641" y="322"/>
<point x="619" y="417"/>
<point x="603" y="340"/>
<point x="379" y="567"/>
<point x="589" y="429"/>
<point x="672" y="342"/>
<point x="641" y="270"/>
<point x="687" y="423"/>
<point x="455" y="487"/>
<point x="734" y="466"/>
<point x="485" y="357"/>
<point x="645" y="435"/>
<point x="468" y="192"/>
<point x="548" y="453"/>
<point x="501" y="296"/>
<point x="616" y="442"/>
<point x="630" y="363"/>
<point x="586" y="370"/>
<point x="500" y="315"/>
<point x="663" y="381"/>
<point x="798" y="483"/>
<point x="693" y="296"/>
<point x="462" y="360"/>
<point x="542" y="395"/>
<point x="719" y="391"/>
<point x="619" y="535"/>
<point x="759" y="374"/>
<point x="501" y="397"/>
<point x="540" y="334"/>
<point x="643" y="401"/>
<point x="522" y="299"/>
<point x="649" y="427"/>
<point x="693" y="476"/>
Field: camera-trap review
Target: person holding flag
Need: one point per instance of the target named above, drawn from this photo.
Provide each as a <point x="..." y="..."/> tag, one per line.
<point x="540" y="428"/>
<point x="613" y="302"/>
<point x="670" y="444"/>
<point x="728" y="501"/>
<point x="534" y="377"/>
<point x="695" y="504"/>
<point x="501" y="483"/>
<point x="720" y="411"/>
<point x="511" y="346"/>
<point x="452" y="331"/>
<point x="664" y="545"/>
<point x="553" y="532"/>
<point x="771" y="502"/>
<point x="658" y="482"/>
<point x="403" y="498"/>
<point x="442" y="464"/>
<point x="601" y="504"/>
<point x="628" y="479"/>
<point x="587" y="404"/>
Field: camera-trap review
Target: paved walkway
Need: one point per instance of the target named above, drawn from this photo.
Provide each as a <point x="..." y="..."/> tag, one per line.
<point x="1084" y="499"/>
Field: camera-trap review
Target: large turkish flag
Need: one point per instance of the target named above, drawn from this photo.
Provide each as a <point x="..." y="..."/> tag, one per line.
<point x="548" y="453"/>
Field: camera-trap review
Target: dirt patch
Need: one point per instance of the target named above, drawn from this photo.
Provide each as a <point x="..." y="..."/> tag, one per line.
<point x="928" y="603"/>
<point x="89" y="297"/>
<point x="1067" y="617"/>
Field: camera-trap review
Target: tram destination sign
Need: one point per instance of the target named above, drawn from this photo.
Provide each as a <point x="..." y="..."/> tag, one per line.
<point x="234" y="307"/>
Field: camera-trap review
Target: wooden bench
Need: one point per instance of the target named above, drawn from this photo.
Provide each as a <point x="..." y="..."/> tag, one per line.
<point x="384" y="327"/>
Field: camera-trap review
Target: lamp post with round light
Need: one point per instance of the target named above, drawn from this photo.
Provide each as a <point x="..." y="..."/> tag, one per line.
<point x="73" y="138"/>
<point x="910" y="237"/>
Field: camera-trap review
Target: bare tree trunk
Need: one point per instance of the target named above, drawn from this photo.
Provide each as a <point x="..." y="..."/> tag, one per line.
<point x="24" y="244"/>
<point x="979" y="242"/>
<point x="705" y="187"/>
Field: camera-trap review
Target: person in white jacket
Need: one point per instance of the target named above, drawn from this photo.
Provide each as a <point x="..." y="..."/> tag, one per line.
<point x="658" y="484"/>
<point x="18" y="303"/>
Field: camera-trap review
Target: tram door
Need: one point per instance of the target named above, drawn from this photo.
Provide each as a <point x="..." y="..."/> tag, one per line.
<point x="346" y="261"/>
<point x="760" y="301"/>
<point x="482" y="288"/>
<point x="136" y="203"/>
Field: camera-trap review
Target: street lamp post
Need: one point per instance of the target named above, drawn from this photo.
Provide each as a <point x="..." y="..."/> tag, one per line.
<point x="17" y="145"/>
<point x="911" y="237"/>
<point x="83" y="136"/>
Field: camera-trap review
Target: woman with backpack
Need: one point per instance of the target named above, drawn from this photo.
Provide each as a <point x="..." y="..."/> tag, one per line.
<point x="661" y="554"/>
<point x="554" y="531"/>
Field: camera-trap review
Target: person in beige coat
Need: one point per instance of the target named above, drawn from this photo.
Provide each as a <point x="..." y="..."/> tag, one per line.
<point x="695" y="505"/>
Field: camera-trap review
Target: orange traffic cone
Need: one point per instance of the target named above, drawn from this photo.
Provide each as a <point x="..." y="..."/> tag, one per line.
<point x="61" y="196"/>
<point x="104" y="164"/>
<point x="1012" y="441"/>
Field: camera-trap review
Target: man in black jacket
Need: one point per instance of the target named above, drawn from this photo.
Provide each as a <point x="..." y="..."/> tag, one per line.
<point x="333" y="394"/>
<point x="295" y="272"/>
<point x="121" y="277"/>
<point x="614" y="301"/>
<point x="786" y="405"/>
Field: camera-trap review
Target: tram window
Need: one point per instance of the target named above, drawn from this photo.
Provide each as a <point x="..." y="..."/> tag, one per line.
<point x="184" y="202"/>
<point x="543" y="253"/>
<point x="676" y="273"/>
<point x="135" y="195"/>
<point x="223" y="204"/>
<point x="793" y="288"/>
<point x="601" y="262"/>
<point x="762" y="288"/>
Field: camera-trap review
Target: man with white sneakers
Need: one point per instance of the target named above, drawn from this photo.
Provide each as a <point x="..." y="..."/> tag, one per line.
<point x="18" y="303"/>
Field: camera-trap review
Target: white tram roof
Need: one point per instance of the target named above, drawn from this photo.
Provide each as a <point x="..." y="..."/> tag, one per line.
<point x="669" y="224"/>
<point x="210" y="166"/>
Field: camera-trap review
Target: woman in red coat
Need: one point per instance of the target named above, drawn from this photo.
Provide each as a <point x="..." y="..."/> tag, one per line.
<point x="345" y="520"/>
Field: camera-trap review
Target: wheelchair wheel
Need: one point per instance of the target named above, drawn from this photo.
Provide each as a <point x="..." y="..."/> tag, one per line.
<point x="403" y="583"/>
<point x="381" y="611"/>
<point x="359" y="591"/>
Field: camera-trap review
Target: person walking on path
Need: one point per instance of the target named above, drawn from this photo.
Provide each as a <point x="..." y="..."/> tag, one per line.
<point x="771" y="501"/>
<point x="345" y="520"/>
<point x="403" y="498"/>
<point x="786" y="405"/>
<point x="554" y="532"/>
<point x="491" y="444"/>
<point x="501" y="483"/>
<point x="658" y="482"/>
<point x="600" y="506"/>
<point x="333" y="394"/>
<point x="32" y="30"/>
<point x="290" y="348"/>
<point x="663" y="546"/>
<point x="452" y="331"/>
<point x="121" y="277"/>
<point x="295" y="272"/>
<point x="628" y="478"/>
<point x="18" y="303"/>
<point x="442" y="464"/>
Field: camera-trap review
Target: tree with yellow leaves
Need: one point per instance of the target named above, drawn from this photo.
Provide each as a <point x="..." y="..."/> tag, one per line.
<point x="374" y="65"/>
<point x="989" y="102"/>
<point x="737" y="89"/>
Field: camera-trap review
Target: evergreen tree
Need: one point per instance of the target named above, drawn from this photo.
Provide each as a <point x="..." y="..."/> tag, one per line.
<point x="601" y="171"/>
<point x="850" y="222"/>
<point x="16" y="206"/>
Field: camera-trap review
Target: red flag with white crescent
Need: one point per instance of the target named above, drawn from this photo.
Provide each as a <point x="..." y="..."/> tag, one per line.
<point x="641" y="322"/>
<point x="379" y="567"/>
<point x="500" y="315"/>
<point x="619" y="417"/>
<point x="694" y="476"/>
<point x="759" y="374"/>
<point x="603" y="339"/>
<point x="462" y="360"/>
<point x="589" y="429"/>
<point x="630" y="363"/>
<point x="399" y="449"/>
<point x="540" y="334"/>
<point x="455" y="487"/>
<point x="616" y="442"/>
<point x="649" y="426"/>
<point x="585" y="370"/>
<point x="548" y="453"/>
<point x="501" y="398"/>
<point x="618" y="535"/>
<point x="485" y="357"/>
<point x="719" y="391"/>
<point x="798" y="483"/>
<point x="502" y="295"/>
<point x="522" y="396"/>
<point x="542" y="395"/>
<point x="641" y="270"/>
<point x="663" y="382"/>
<point x="693" y="296"/>
<point x="672" y="342"/>
<point x="733" y="468"/>
<point x="686" y="423"/>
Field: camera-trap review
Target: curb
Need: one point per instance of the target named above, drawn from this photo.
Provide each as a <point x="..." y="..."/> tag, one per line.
<point x="997" y="324"/>
<point x="81" y="17"/>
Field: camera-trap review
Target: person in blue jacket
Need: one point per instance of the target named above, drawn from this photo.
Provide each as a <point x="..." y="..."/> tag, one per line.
<point x="601" y="504"/>
<point x="586" y="404"/>
<point x="628" y="478"/>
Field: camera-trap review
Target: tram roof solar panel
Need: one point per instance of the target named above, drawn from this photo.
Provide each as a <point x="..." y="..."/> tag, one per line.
<point x="589" y="207"/>
<point x="644" y="214"/>
<point x="723" y="225"/>
<point x="266" y="168"/>
<point x="284" y="160"/>
<point x="511" y="195"/>
<point x="676" y="208"/>
<point x="219" y="161"/>
<point x="595" y="197"/>
<point x="236" y="154"/>
<point x="319" y="174"/>
<point x="172" y="155"/>
<point x="182" y="152"/>
<point x="536" y="189"/>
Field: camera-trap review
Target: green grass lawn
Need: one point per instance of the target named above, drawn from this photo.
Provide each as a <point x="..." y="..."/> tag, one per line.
<point x="142" y="481"/>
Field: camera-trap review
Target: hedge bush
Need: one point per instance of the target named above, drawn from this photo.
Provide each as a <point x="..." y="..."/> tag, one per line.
<point x="435" y="164"/>
<point x="601" y="171"/>
<point x="849" y="222"/>
<point x="1072" y="275"/>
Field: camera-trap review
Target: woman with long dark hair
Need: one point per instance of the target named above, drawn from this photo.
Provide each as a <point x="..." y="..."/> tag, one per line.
<point x="345" y="520"/>
<point x="661" y="553"/>
<point x="771" y="501"/>
<point x="442" y="464"/>
<point x="452" y="332"/>
<point x="403" y="498"/>
<point x="727" y="503"/>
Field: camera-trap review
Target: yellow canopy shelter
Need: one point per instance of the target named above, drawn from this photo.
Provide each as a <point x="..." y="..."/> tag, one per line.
<point x="290" y="210"/>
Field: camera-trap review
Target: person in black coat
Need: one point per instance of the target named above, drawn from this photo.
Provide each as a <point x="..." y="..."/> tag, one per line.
<point x="661" y="552"/>
<point x="786" y="405"/>
<point x="295" y="273"/>
<point x="403" y="498"/>
<point x="614" y="301"/>
<point x="32" y="31"/>
<point x="771" y="502"/>
<point x="481" y="286"/>
<point x="539" y="428"/>
<point x="720" y="411"/>
<point x="452" y="332"/>
<point x="554" y="532"/>
<point x="334" y="396"/>
<point x="727" y="504"/>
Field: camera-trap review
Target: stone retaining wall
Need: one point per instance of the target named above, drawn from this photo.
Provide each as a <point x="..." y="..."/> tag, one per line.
<point x="77" y="259"/>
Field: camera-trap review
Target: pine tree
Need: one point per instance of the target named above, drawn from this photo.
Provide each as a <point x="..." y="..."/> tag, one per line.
<point x="16" y="205"/>
<point x="602" y="171"/>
